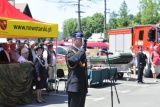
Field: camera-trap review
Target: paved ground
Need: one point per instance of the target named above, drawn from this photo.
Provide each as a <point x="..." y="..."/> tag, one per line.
<point x="130" y="93"/>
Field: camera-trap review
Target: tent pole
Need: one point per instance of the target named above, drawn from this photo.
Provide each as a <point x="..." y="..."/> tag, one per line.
<point x="56" y="68"/>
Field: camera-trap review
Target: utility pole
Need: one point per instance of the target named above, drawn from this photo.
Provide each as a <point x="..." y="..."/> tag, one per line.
<point x="105" y="18"/>
<point x="79" y="17"/>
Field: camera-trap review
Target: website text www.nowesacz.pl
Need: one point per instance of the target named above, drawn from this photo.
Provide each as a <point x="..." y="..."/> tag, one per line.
<point x="33" y="28"/>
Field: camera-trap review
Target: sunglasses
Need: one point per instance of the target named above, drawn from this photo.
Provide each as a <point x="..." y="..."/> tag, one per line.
<point x="26" y="53"/>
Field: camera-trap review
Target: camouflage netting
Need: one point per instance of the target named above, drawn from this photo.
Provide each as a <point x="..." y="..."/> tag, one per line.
<point x="15" y="83"/>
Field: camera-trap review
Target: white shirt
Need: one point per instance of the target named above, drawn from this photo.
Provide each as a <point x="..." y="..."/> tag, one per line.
<point x="21" y="59"/>
<point x="45" y="55"/>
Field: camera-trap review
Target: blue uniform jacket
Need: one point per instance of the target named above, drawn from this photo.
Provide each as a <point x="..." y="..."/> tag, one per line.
<point x="77" y="76"/>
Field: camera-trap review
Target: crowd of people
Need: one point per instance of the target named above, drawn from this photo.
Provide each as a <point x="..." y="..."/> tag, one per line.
<point x="44" y="61"/>
<point x="28" y="52"/>
<point x="143" y="59"/>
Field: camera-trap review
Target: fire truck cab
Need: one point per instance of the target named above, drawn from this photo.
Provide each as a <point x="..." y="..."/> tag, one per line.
<point x="120" y="40"/>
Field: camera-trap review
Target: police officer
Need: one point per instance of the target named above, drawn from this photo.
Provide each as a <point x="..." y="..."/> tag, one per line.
<point x="77" y="77"/>
<point x="141" y="63"/>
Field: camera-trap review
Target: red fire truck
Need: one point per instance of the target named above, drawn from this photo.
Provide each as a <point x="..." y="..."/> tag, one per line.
<point x="120" y="40"/>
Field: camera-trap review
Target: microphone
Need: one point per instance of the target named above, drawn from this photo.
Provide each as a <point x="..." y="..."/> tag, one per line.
<point x="106" y="52"/>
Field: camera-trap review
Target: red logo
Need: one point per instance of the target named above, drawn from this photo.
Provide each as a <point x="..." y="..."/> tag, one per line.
<point x="3" y="24"/>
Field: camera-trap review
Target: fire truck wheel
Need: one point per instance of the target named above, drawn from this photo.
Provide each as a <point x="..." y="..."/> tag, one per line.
<point x="120" y="75"/>
<point x="147" y="71"/>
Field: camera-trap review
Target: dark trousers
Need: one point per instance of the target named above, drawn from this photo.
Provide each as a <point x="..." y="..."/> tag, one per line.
<point x="76" y="99"/>
<point x="140" y="73"/>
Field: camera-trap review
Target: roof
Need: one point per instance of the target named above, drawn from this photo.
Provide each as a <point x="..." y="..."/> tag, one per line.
<point x="5" y="11"/>
<point x="21" y="6"/>
<point x="96" y="37"/>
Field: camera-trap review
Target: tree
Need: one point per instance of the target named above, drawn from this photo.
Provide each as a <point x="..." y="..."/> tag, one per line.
<point x="113" y="20"/>
<point x="92" y="24"/>
<point x="150" y="11"/>
<point x="77" y="3"/>
<point x="123" y="20"/>
<point x="69" y="26"/>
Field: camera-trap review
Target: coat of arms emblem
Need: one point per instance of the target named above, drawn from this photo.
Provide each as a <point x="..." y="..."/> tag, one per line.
<point x="3" y="24"/>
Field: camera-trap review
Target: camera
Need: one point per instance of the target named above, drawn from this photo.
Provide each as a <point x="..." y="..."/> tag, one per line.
<point x="105" y="50"/>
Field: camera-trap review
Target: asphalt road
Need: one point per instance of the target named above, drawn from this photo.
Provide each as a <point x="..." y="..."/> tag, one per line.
<point x="130" y="93"/>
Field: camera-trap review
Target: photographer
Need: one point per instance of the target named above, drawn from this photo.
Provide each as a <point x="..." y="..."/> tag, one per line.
<point x="77" y="78"/>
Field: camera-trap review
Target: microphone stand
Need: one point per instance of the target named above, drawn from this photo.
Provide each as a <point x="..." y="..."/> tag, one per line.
<point x="85" y="61"/>
<point x="112" y="82"/>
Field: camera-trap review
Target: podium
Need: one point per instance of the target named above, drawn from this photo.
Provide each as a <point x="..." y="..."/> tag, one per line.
<point x="99" y="75"/>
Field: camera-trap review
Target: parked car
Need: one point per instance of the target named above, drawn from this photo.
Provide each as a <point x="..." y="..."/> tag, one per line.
<point x="61" y="53"/>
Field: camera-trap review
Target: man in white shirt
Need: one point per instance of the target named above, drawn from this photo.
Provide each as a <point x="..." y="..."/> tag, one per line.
<point x="49" y="56"/>
<point x="31" y="49"/>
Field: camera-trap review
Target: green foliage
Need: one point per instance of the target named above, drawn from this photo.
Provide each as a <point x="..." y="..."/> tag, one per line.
<point x="69" y="26"/>
<point x="123" y="20"/>
<point x="149" y="11"/>
<point x="148" y="14"/>
<point x="113" y="20"/>
<point x="92" y="24"/>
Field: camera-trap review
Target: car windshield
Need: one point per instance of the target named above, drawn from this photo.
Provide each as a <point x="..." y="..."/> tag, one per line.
<point x="62" y="50"/>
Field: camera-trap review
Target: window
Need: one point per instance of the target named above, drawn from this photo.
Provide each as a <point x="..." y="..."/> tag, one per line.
<point x="61" y="50"/>
<point x="158" y="37"/>
<point x="141" y="33"/>
<point x="151" y="35"/>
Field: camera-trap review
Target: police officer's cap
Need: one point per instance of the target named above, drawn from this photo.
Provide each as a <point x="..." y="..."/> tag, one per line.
<point x="39" y="47"/>
<point x="49" y="43"/>
<point x="77" y="35"/>
<point x="139" y="47"/>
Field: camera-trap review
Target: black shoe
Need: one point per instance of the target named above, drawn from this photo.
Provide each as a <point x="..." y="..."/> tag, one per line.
<point x="43" y="101"/>
<point x="39" y="101"/>
<point x="140" y="82"/>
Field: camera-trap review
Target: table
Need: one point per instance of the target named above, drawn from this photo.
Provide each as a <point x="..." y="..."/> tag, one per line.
<point x="97" y="76"/>
<point x="15" y="83"/>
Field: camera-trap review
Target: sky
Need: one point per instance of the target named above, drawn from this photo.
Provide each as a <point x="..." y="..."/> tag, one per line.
<point x="51" y="12"/>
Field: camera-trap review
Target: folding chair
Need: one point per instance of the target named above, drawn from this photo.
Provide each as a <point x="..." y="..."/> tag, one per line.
<point x="51" y="80"/>
<point x="60" y="77"/>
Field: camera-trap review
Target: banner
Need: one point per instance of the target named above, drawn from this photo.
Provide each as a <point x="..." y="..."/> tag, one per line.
<point x="10" y="28"/>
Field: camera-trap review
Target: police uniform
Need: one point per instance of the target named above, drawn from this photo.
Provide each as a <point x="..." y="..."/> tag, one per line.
<point x="141" y="63"/>
<point x="77" y="77"/>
